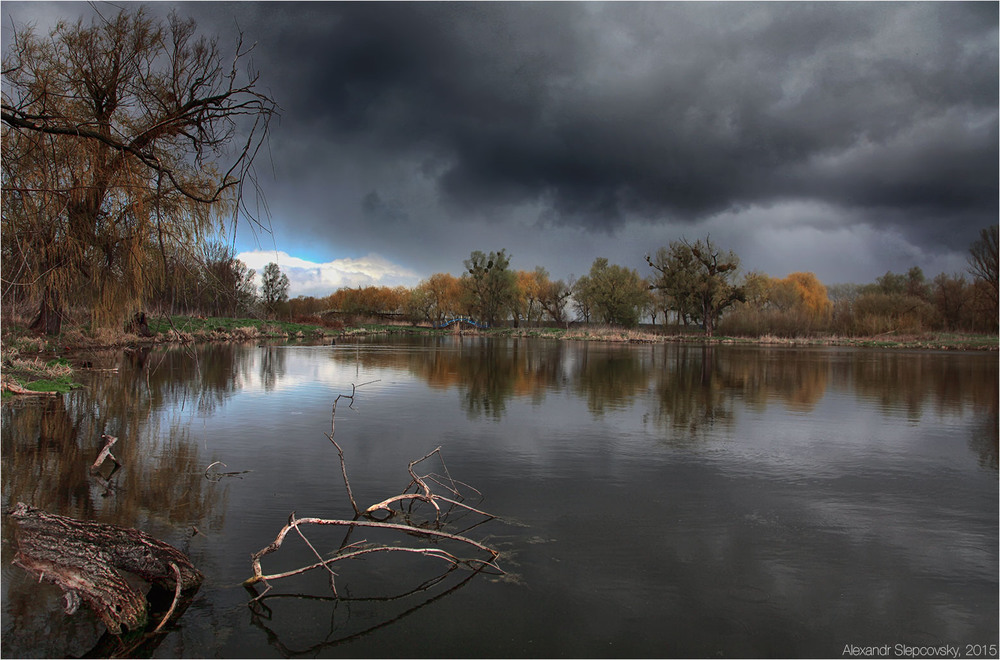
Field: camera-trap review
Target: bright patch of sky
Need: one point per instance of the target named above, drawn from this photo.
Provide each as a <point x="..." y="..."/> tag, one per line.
<point x="309" y="278"/>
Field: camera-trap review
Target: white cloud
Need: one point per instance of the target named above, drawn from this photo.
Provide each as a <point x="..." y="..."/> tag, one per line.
<point x="308" y="278"/>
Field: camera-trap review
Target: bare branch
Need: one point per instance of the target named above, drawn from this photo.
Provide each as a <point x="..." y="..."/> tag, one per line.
<point x="355" y="550"/>
<point x="177" y="597"/>
<point x="258" y="574"/>
<point x="105" y="453"/>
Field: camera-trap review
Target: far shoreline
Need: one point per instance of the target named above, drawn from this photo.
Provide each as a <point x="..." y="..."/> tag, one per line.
<point x="39" y="364"/>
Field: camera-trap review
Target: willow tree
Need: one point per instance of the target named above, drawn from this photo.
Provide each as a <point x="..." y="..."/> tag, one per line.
<point x="616" y="293"/>
<point x="122" y="139"/>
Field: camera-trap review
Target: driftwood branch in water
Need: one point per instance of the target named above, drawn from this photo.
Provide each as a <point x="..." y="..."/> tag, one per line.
<point x="261" y="612"/>
<point x="293" y="523"/>
<point x="343" y="470"/>
<point x="424" y="494"/>
<point x="178" y="581"/>
<point x="105" y="453"/>
<point x="217" y="476"/>
<point x="86" y="559"/>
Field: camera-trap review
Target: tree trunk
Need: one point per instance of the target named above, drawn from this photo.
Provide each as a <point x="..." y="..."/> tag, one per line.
<point x="139" y="325"/>
<point x="50" y="313"/>
<point x="85" y="560"/>
<point x="708" y="318"/>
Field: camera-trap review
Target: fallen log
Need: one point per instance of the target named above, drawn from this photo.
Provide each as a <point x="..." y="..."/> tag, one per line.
<point x="8" y="384"/>
<point x="86" y="560"/>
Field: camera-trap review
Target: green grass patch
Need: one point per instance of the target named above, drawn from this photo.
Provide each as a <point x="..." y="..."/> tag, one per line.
<point x="63" y="384"/>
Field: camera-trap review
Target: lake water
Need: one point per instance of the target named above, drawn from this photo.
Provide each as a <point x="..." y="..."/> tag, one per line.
<point x="651" y="500"/>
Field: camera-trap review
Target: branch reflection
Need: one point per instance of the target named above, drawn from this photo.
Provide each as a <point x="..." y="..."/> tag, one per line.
<point x="340" y="630"/>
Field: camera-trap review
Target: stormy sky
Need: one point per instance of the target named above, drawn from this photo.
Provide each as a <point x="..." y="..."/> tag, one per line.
<point x="846" y="139"/>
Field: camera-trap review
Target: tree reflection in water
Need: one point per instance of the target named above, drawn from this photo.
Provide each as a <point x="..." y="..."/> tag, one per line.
<point x="984" y="440"/>
<point x="694" y="393"/>
<point x="694" y="386"/>
<point x="49" y="445"/>
<point x="609" y="378"/>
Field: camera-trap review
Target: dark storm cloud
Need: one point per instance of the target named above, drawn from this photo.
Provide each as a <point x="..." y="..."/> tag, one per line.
<point x="403" y="122"/>
<point x="606" y="112"/>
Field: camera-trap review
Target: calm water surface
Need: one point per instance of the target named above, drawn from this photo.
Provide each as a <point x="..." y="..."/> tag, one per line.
<point x="652" y="500"/>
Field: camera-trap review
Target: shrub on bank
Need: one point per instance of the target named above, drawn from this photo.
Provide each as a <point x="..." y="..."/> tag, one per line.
<point x="875" y="314"/>
<point x="749" y="321"/>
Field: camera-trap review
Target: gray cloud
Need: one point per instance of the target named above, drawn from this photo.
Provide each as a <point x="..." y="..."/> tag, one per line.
<point x="437" y="126"/>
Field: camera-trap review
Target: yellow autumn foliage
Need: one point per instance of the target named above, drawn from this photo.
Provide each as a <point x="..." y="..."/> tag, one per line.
<point x="805" y="293"/>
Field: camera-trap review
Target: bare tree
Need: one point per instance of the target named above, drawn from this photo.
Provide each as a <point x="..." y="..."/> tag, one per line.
<point x="553" y="297"/>
<point x="983" y="260"/>
<point x="699" y="278"/>
<point x="122" y="138"/>
<point x="274" y="286"/>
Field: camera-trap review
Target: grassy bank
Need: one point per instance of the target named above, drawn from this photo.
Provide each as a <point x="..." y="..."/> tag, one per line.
<point x="24" y="376"/>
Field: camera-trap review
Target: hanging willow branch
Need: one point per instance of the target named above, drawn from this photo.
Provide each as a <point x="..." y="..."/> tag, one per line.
<point x="421" y="484"/>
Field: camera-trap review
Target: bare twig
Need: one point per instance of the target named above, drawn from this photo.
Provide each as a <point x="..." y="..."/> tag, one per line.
<point x="333" y="576"/>
<point x="343" y="470"/>
<point x="340" y="452"/>
<point x="177" y="597"/>
<point x="217" y="476"/>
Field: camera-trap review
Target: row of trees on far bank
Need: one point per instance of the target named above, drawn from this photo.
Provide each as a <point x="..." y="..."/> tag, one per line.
<point x="693" y="286"/>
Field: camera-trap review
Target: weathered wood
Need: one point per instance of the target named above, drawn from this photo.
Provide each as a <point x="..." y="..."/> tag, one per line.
<point x="104" y="589"/>
<point x="105" y="453"/>
<point x="85" y="559"/>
